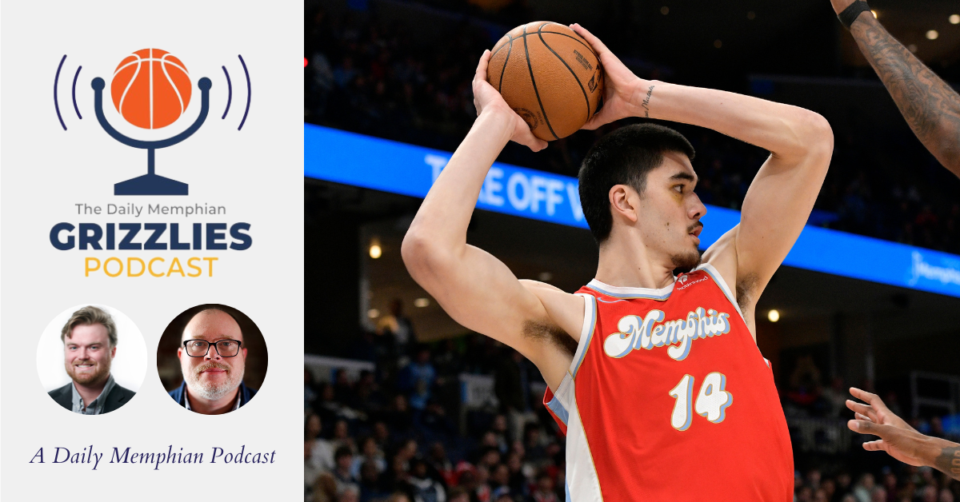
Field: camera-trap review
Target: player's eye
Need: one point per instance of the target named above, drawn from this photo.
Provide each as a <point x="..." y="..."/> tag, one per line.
<point x="678" y="188"/>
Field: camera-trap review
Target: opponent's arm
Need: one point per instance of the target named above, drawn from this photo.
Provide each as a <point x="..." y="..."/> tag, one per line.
<point x="476" y="289"/>
<point x="783" y="192"/>
<point x="898" y="439"/>
<point x="931" y="107"/>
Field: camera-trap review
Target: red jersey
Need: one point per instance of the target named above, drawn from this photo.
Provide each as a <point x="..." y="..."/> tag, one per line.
<point x="668" y="398"/>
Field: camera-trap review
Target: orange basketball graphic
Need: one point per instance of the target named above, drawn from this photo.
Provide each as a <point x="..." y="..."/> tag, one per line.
<point x="151" y="88"/>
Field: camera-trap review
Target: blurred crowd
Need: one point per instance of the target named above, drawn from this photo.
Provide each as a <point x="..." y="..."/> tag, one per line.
<point x="373" y="77"/>
<point x="906" y="484"/>
<point x="399" y="432"/>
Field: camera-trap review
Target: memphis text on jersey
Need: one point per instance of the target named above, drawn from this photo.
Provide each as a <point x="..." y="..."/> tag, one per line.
<point x="647" y="333"/>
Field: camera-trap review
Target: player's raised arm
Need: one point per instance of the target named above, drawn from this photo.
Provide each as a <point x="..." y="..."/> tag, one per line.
<point x="476" y="289"/>
<point x="931" y="107"/>
<point x="783" y="192"/>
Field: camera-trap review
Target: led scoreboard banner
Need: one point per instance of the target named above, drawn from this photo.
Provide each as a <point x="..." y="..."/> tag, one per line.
<point x="390" y="166"/>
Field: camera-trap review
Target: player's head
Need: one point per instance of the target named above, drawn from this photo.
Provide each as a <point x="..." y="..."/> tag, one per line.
<point x="211" y="353"/>
<point x="637" y="183"/>
<point x="89" y="344"/>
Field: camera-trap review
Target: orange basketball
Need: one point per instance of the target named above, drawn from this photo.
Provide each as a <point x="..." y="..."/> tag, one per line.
<point x="151" y="88"/>
<point x="549" y="75"/>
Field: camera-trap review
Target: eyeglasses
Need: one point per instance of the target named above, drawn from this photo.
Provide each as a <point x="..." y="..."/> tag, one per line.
<point x="200" y="348"/>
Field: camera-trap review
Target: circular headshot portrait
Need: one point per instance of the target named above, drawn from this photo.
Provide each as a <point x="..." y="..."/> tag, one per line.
<point x="212" y="359"/>
<point x="91" y="359"/>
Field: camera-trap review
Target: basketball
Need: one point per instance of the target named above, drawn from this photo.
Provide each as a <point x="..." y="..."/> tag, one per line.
<point x="549" y="75"/>
<point x="151" y="88"/>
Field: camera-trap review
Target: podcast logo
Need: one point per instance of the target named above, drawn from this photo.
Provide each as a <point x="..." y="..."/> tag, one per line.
<point x="152" y="92"/>
<point x="151" y="89"/>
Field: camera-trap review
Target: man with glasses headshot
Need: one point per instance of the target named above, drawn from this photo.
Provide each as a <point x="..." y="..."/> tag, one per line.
<point x="212" y="359"/>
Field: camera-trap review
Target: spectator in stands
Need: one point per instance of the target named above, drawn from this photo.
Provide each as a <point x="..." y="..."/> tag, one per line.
<point x="441" y="463"/>
<point x="326" y="405"/>
<point x="310" y="470"/>
<point x="350" y="494"/>
<point x="864" y="488"/>
<point x="398" y="327"/>
<point x="501" y="433"/>
<point x="370" y="488"/>
<point x="321" y="454"/>
<point x="367" y="395"/>
<point x="343" y="458"/>
<point x="417" y="380"/>
<point x="425" y="488"/>
<point x="458" y="494"/>
<point x="400" y="417"/>
<point x="342" y="387"/>
<point x="544" y="491"/>
<point x="369" y="453"/>
<point x="341" y="436"/>
<point x="512" y="388"/>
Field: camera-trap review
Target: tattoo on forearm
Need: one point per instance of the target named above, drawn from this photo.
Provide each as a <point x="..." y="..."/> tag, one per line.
<point x="931" y="107"/>
<point x="646" y="102"/>
<point x="949" y="462"/>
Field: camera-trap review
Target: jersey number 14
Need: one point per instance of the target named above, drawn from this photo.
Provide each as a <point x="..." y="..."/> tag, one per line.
<point x="712" y="400"/>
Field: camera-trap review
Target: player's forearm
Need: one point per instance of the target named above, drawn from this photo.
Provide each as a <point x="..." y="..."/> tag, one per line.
<point x="931" y="107"/>
<point x="786" y="131"/>
<point x="440" y="226"/>
<point x="946" y="458"/>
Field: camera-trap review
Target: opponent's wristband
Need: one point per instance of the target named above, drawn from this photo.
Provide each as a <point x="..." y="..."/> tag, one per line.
<point x="851" y="13"/>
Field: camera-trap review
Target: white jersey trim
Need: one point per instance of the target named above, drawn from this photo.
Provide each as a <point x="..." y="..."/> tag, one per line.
<point x="632" y="293"/>
<point x="586" y="332"/>
<point x="582" y="479"/>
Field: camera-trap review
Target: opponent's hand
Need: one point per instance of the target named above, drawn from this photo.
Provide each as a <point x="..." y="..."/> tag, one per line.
<point x="897" y="438"/>
<point x="622" y="96"/>
<point x="486" y="98"/>
<point x="840" y="5"/>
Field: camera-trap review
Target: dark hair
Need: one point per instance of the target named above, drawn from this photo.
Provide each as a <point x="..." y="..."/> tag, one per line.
<point x="343" y="451"/>
<point x="623" y="157"/>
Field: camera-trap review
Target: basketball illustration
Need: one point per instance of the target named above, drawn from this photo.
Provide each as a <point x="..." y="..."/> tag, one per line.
<point x="151" y="88"/>
<point x="549" y="75"/>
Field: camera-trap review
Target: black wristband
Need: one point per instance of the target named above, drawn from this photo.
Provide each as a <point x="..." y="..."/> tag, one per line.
<point x="851" y="13"/>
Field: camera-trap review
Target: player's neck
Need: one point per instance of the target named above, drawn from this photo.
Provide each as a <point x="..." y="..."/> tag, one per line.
<point x="623" y="263"/>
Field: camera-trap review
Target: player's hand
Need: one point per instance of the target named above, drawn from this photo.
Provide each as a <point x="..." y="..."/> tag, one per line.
<point x="897" y="438"/>
<point x="486" y="98"/>
<point x="840" y="5"/>
<point x="621" y="88"/>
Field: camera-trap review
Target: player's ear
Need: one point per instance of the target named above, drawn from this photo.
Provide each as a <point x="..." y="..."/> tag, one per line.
<point x="113" y="352"/>
<point x="179" y="352"/>
<point x="624" y="200"/>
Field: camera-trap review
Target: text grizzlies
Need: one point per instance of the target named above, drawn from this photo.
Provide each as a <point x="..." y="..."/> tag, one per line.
<point x="636" y="333"/>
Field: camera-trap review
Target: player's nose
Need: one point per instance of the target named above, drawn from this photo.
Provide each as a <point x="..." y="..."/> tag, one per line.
<point x="697" y="209"/>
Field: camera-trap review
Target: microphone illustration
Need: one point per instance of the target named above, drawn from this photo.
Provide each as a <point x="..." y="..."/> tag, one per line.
<point x="151" y="116"/>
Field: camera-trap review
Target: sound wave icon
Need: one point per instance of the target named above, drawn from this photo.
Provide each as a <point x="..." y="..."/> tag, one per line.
<point x="76" y="107"/>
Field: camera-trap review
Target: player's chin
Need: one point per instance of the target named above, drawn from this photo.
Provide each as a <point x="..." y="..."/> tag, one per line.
<point x="688" y="260"/>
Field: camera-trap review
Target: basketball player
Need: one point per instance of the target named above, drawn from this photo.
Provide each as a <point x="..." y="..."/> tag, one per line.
<point x="656" y="377"/>
<point x="931" y="107"/>
<point x="932" y="110"/>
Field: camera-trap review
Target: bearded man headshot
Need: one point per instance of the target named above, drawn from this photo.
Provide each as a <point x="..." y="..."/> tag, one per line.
<point x="89" y="345"/>
<point x="212" y="360"/>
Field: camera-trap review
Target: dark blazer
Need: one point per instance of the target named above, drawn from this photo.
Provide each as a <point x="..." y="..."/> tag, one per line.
<point x="118" y="397"/>
<point x="180" y="394"/>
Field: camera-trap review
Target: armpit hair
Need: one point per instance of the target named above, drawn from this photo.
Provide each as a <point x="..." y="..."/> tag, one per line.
<point x="552" y="334"/>
<point x="746" y="286"/>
